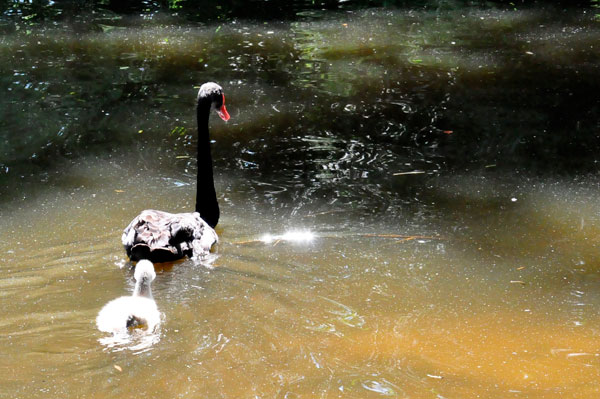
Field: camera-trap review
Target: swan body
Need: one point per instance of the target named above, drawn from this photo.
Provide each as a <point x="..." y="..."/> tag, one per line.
<point x="129" y="313"/>
<point x="162" y="236"/>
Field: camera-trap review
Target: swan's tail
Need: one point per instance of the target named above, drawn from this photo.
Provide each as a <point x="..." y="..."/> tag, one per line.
<point x="134" y="322"/>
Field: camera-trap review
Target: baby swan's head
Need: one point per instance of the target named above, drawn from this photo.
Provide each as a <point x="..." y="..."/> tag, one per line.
<point x="144" y="274"/>
<point x="144" y="269"/>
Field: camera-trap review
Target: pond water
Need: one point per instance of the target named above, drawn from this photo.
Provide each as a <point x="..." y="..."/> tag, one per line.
<point x="446" y="218"/>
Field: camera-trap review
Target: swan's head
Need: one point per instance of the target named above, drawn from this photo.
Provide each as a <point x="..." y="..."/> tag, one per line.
<point x="214" y="93"/>
<point x="144" y="268"/>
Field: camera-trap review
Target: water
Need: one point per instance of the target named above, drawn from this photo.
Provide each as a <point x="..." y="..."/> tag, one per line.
<point x="493" y="291"/>
<point x="403" y="214"/>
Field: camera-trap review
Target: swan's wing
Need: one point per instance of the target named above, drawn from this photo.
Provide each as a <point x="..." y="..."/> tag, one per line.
<point x="202" y="242"/>
<point x="194" y="234"/>
<point x="148" y="236"/>
<point x="113" y="316"/>
<point x="128" y="237"/>
<point x="163" y="236"/>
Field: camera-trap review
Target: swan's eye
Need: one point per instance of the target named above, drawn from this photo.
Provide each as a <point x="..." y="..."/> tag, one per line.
<point x="218" y="101"/>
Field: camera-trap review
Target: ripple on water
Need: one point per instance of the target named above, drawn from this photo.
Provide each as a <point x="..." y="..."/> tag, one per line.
<point x="382" y="387"/>
<point x="136" y="341"/>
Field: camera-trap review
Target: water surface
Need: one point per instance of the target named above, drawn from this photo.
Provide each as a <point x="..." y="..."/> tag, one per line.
<point x="454" y="210"/>
<point x="492" y="291"/>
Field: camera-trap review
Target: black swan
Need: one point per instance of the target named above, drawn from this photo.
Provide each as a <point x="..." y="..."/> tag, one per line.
<point x="129" y="313"/>
<point x="161" y="236"/>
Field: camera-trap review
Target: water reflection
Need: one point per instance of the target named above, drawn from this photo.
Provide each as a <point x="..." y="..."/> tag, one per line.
<point x="384" y="388"/>
<point x="389" y="81"/>
<point x="346" y="315"/>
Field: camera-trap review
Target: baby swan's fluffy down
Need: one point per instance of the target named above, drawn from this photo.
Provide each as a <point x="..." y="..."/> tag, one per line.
<point x="138" y="311"/>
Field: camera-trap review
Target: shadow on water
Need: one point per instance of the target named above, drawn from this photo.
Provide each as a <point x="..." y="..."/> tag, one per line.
<point x="441" y="159"/>
<point x="413" y="90"/>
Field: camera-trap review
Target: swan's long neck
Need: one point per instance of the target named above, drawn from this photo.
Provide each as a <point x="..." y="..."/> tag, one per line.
<point x="206" y="196"/>
<point x="142" y="286"/>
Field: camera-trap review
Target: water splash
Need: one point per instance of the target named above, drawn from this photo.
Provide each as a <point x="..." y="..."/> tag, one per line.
<point x="137" y="341"/>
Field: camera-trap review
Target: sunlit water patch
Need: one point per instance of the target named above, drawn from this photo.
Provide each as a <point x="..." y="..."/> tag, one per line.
<point x="290" y="236"/>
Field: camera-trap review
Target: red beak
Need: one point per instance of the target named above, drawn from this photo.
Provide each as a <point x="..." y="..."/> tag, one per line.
<point x="223" y="113"/>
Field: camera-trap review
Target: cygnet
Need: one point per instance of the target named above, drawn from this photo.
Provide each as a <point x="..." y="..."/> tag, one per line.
<point x="131" y="313"/>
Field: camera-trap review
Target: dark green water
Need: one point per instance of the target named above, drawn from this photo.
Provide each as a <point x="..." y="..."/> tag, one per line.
<point x="443" y="158"/>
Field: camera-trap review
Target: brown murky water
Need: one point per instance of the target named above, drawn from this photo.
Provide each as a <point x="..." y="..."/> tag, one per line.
<point x="496" y="295"/>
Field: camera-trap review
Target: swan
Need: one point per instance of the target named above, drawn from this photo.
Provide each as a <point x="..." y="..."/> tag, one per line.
<point x="161" y="236"/>
<point x="138" y="311"/>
